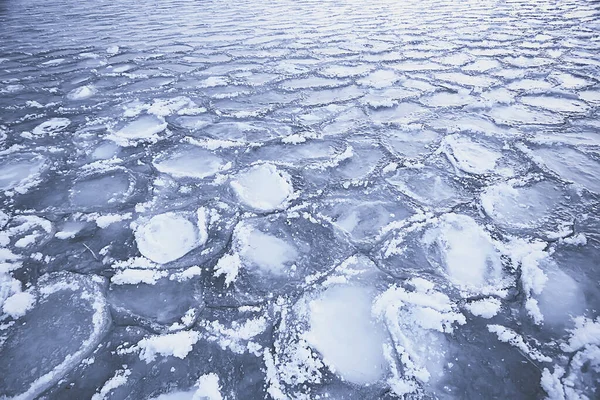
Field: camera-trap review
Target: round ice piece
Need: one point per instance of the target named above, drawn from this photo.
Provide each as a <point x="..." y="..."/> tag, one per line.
<point x="67" y="323"/>
<point x="194" y="122"/>
<point x="168" y="237"/>
<point x="518" y="114"/>
<point x="81" y="93"/>
<point x="267" y="253"/>
<point x="140" y="300"/>
<point x="521" y="207"/>
<point x="466" y="251"/>
<point x="571" y="165"/>
<point x="144" y="128"/>
<point x="344" y="332"/>
<point x="559" y="310"/>
<point x="362" y="218"/>
<point x="263" y="187"/>
<point x="190" y="163"/>
<point x="428" y="186"/>
<point x="556" y="104"/>
<point x="309" y="152"/>
<point x="98" y="190"/>
<point x="105" y="150"/>
<point x="409" y="143"/>
<point x="51" y="127"/>
<point x="21" y="169"/>
<point x="470" y="156"/>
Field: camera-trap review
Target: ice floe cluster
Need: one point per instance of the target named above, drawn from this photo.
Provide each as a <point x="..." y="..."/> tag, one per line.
<point x="300" y="200"/>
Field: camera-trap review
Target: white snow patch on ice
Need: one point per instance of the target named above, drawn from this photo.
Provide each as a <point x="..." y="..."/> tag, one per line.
<point x="104" y="221"/>
<point x="228" y="265"/>
<point x="511" y="337"/>
<point x="137" y="276"/>
<point x="118" y="379"/>
<point x="208" y="388"/>
<point x="485" y="308"/>
<point x="18" y="304"/>
<point x="586" y="332"/>
<point x="177" y="344"/>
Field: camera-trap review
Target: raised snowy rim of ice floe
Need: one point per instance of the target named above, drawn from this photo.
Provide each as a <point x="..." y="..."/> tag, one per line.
<point x="90" y="290"/>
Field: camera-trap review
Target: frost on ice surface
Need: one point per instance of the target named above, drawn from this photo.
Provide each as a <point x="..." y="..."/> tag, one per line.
<point x="101" y="190"/>
<point x="416" y="321"/>
<point x="556" y="104"/>
<point x="134" y="296"/>
<point x="266" y="252"/>
<point x="263" y="187"/>
<point x="570" y="304"/>
<point x="519" y="114"/>
<point x="363" y="218"/>
<point x="428" y="186"/>
<point x="408" y="143"/>
<point x="279" y="251"/>
<point x="261" y="252"/>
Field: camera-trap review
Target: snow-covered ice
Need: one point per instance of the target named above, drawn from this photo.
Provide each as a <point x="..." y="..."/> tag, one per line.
<point x="263" y="187"/>
<point x="143" y="129"/>
<point x="190" y="163"/>
<point x="167" y="237"/>
<point x="526" y="206"/>
<point x="346" y="335"/>
<point x="465" y="250"/>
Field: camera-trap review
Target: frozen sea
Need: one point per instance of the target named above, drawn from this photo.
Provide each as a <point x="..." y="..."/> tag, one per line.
<point x="300" y="199"/>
